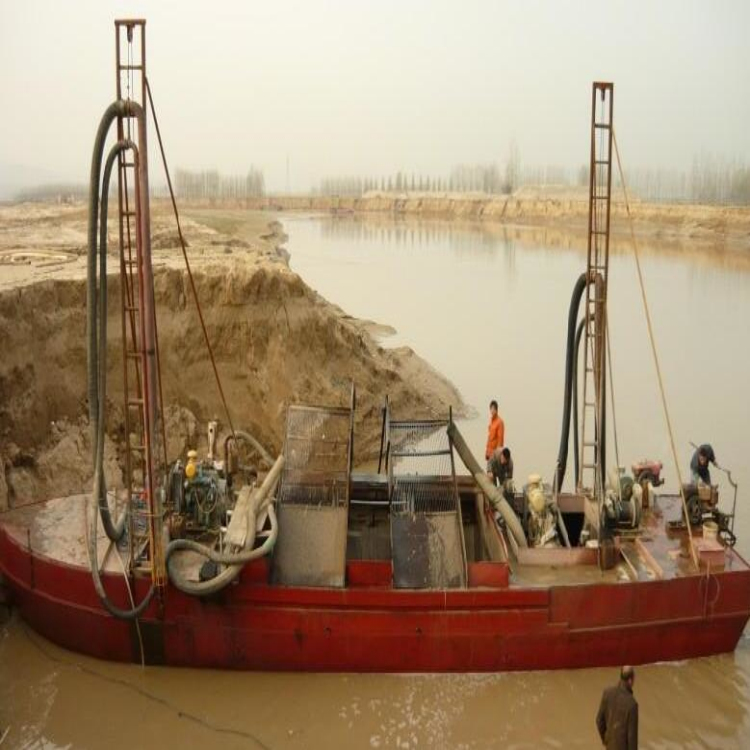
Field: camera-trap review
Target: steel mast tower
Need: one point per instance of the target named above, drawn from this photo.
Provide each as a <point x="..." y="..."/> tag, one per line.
<point x="593" y="431"/>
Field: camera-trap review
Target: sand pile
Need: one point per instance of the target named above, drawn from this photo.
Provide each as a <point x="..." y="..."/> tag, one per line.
<point x="276" y="341"/>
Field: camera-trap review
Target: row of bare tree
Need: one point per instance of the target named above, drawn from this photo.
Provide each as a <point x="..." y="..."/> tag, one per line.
<point x="710" y="180"/>
<point x="211" y="185"/>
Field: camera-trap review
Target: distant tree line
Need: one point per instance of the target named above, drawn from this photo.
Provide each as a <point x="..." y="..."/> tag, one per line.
<point x="54" y="192"/>
<point x="463" y="178"/>
<point x="211" y="185"/>
<point x="710" y="180"/>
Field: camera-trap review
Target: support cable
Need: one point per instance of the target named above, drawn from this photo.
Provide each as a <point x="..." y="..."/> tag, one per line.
<point x="612" y="396"/>
<point x="652" y="340"/>
<point x="187" y="262"/>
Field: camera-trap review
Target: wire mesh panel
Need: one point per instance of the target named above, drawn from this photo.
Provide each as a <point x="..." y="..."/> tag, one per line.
<point x="426" y="528"/>
<point x="317" y="456"/>
<point x="313" y="498"/>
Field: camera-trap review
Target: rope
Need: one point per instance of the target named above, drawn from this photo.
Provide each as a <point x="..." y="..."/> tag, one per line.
<point x="161" y="394"/>
<point x="612" y="397"/>
<point x="187" y="262"/>
<point x="132" y="604"/>
<point x="652" y="340"/>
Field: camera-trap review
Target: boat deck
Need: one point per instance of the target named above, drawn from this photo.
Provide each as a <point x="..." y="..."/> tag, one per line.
<point x="57" y="530"/>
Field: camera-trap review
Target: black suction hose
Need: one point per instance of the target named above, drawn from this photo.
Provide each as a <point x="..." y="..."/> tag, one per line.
<point x="576" y="465"/>
<point x="97" y="354"/>
<point x="562" y="454"/>
<point x="113" y="530"/>
<point x="113" y="609"/>
<point x="97" y="336"/>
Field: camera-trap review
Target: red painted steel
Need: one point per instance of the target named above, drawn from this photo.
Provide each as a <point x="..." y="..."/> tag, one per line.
<point x="370" y="627"/>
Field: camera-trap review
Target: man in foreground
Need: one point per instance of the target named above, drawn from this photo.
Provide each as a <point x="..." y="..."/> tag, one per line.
<point x="617" y="720"/>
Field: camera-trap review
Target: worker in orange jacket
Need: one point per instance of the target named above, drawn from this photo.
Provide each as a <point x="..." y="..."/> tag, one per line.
<point x="495" y="433"/>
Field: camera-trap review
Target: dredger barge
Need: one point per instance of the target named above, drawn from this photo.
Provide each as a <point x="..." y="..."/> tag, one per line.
<point x="236" y="560"/>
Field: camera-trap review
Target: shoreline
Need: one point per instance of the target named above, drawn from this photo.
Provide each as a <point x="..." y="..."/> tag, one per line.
<point x="724" y="227"/>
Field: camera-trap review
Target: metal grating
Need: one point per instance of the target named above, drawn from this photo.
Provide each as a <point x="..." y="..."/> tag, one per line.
<point x="421" y="468"/>
<point x="313" y="498"/>
<point x="426" y="529"/>
<point x="317" y="451"/>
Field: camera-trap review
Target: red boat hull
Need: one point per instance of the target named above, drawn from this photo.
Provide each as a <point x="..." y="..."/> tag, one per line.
<point x="370" y="627"/>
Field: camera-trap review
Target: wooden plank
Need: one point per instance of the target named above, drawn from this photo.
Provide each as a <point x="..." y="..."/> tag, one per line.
<point x="649" y="559"/>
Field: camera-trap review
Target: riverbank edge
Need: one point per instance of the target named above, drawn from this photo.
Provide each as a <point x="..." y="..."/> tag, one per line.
<point x="724" y="227"/>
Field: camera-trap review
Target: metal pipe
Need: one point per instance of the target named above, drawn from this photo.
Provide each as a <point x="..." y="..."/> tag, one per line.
<point x="493" y="493"/>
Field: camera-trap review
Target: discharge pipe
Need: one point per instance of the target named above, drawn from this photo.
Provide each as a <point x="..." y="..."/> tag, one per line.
<point x="492" y="492"/>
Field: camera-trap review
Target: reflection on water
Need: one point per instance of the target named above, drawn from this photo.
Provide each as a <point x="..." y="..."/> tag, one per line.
<point x="487" y="307"/>
<point x="469" y="238"/>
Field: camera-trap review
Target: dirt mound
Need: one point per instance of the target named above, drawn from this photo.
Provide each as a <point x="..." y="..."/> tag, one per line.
<point x="275" y="340"/>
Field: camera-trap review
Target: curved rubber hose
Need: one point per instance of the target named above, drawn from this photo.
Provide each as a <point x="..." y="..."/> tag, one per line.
<point x="97" y="348"/>
<point x="207" y="588"/>
<point x="235" y="560"/>
<point x="247" y="437"/>
<point x="114" y="610"/>
<point x="116" y="109"/>
<point x="221" y="581"/>
<point x="113" y="530"/>
<point x="562" y="453"/>
<point x="494" y="495"/>
<point x="96" y="397"/>
<point x="576" y="458"/>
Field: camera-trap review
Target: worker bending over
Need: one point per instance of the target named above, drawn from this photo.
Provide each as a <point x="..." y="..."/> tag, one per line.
<point x="699" y="464"/>
<point x="501" y="466"/>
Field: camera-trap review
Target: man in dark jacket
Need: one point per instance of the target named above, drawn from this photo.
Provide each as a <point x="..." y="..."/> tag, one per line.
<point x="617" y="720"/>
<point x="501" y="466"/>
<point x="699" y="464"/>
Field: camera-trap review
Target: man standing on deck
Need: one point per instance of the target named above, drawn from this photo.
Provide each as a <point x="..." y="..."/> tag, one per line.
<point x="495" y="433"/>
<point x="699" y="464"/>
<point x="617" y="720"/>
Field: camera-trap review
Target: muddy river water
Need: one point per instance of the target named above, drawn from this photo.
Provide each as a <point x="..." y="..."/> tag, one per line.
<point x="487" y="308"/>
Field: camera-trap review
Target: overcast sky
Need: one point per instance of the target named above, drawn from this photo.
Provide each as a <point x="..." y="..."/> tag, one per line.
<point x="349" y="87"/>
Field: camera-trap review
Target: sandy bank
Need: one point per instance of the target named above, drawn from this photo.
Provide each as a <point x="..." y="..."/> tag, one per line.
<point x="276" y="341"/>
<point x="564" y="209"/>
